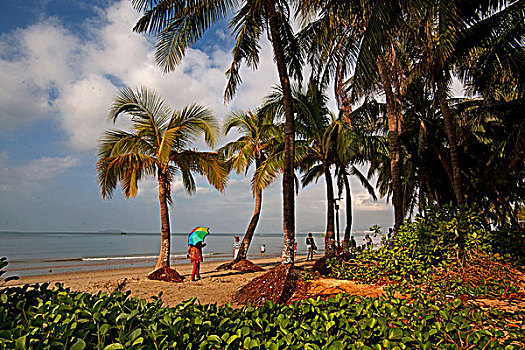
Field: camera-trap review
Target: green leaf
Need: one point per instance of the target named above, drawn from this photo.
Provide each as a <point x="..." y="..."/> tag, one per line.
<point x="395" y="333"/>
<point x="79" y="345"/>
<point x="20" y="343"/>
<point x="337" y="345"/>
<point x="5" y="334"/>
<point x="104" y="329"/>
<point x="231" y="339"/>
<point x="114" y="346"/>
<point x="135" y="334"/>
<point x="214" y="339"/>
<point x="4" y="298"/>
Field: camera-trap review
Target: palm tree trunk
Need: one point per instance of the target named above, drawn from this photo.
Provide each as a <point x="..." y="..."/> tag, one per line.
<point x="329" y="240"/>
<point x="349" y="218"/>
<point x="243" y="250"/>
<point x="450" y="127"/>
<point x="287" y="256"/>
<point x="164" y="256"/>
<point x="394" y="118"/>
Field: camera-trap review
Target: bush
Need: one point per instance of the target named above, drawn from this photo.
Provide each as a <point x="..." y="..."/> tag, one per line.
<point x="438" y="244"/>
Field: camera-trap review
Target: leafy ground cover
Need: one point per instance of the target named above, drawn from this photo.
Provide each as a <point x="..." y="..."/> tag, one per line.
<point x="38" y="317"/>
<point x="443" y="252"/>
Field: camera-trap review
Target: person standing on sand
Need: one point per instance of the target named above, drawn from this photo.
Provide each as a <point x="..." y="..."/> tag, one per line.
<point x="236" y="246"/>
<point x="368" y="241"/>
<point x="195" y="255"/>
<point x="310" y="247"/>
<point x="263" y="249"/>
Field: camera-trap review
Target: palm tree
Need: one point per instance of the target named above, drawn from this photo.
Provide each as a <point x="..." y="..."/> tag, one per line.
<point x="158" y="145"/>
<point x="334" y="41"/>
<point x="259" y="140"/>
<point x="316" y="130"/>
<point x="179" y="25"/>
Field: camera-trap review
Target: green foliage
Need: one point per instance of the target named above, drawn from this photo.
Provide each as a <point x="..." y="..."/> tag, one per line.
<point x="425" y="249"/>
<point x="36" y="317"/>
<point x="431" y="237"/>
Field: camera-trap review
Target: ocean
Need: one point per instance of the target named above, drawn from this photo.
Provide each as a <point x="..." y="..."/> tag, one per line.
<point x="38" y="253"/>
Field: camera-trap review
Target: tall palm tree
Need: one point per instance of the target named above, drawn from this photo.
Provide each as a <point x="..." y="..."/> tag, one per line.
<point x="157" y="145"/>
<point x="259" y="140"/>
<point x="335" y="42"/>
<point x="179" y="25"/>
<point x="316" y="130"/>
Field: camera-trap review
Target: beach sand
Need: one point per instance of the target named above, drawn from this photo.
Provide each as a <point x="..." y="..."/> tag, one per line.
<point x="214" y="287"/>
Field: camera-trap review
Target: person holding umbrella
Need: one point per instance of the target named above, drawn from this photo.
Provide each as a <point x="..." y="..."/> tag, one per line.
<point x="196" y="243"/>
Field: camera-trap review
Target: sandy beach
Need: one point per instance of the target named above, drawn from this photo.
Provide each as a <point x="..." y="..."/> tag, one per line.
<point x="214" y="287"/>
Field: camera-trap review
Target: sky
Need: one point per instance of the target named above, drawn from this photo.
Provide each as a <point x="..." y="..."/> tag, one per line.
<point x="61" y="64"/>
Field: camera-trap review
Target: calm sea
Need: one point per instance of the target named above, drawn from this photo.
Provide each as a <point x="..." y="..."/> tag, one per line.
<point x="38" y="253"/>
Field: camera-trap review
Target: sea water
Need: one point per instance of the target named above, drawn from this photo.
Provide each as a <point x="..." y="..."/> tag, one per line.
<point x="37" y="253"/>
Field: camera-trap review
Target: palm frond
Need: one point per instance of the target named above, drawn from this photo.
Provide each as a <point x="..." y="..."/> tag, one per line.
<point x="364" y="181"/>
<point x="179" y="25"/>
<point x="209" y="164"/>
<point x="247" y="27"/>
<point x="127" y="169"/>
<point x="312" y="174"/>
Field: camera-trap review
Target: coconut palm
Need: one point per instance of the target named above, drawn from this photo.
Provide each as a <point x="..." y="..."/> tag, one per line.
<point x="316" y="131"/>
<point x="259" y="139"/>
<point x="159" y="144"/>
<point x="336" y="41"/>
<point x="179" y="25"/>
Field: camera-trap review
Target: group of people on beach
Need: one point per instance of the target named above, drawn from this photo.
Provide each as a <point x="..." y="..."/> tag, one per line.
<point x="195" y="251"/>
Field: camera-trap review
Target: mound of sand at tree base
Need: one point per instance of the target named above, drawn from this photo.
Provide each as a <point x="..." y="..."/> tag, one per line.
<point x="277" y="285"/>
<point x="166" y="274"/>
<point x="241" y="265"/>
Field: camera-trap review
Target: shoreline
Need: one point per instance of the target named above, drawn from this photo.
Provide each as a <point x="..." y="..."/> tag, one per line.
<point x="214" y="287"/>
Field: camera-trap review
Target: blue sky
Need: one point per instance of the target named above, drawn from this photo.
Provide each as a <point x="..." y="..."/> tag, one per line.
<point x="61" y="63"/>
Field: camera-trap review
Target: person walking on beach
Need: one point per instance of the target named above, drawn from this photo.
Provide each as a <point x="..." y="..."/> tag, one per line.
<point x="195" y="255"/>
<point x="263" y="249"/>
<point x="236" y="246"/>
<point x="368" y="241"/>
<point x="310" y="247"/>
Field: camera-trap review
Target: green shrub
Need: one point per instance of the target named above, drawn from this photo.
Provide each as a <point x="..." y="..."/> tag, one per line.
<point x="449" y="238"/>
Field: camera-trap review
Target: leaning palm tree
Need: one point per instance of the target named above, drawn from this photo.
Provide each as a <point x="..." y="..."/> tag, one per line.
<point x="259" y="140"/>
<point x="158" y="145"/>
<point x="179" y="25"/>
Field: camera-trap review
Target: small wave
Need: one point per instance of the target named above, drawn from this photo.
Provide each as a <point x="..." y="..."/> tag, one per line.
<point x="147" y="257"/>
<point x="119" y="258"/>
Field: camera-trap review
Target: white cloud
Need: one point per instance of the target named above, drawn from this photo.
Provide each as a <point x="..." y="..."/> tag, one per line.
<point x="32" y="176"/>
<point x="83" y="106"/>
<point x="36" y="64"/>
<point x="51" y="73"/>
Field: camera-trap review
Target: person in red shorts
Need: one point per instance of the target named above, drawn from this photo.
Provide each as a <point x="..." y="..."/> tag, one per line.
<point x="195" y="255"/>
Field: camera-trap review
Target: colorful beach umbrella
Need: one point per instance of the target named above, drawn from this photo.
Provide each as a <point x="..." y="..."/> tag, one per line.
<point x="197" y="235"/>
